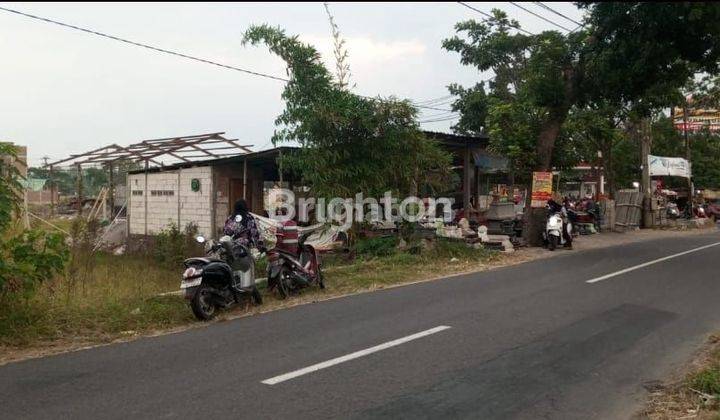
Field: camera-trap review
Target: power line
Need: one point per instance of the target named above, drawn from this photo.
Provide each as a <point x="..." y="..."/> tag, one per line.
<point x="440" y="115"/>
<point x="539" y="16"/>
<point x="435" y="100"/>
<point x="550" y="9"/>
<point x="489" y="16"/>
<point x="439" y="119"/>
<point x="446" y="102"/>
<point x="165" y="51"/>
<point x="433" y="108"/>
<point x="138" y="44"/>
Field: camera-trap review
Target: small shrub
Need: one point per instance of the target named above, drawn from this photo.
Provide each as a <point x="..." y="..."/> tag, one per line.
<point x="447" y="248"/>
<point x="172" y="245"/>
<point x="707" y="380"/>
<point x="28" y="259"/>
<point x="376" y="247"/>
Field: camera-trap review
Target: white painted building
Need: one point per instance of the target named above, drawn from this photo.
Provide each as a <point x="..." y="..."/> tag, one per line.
<point x="169" y="198"/>
<point x="201" y="193"/>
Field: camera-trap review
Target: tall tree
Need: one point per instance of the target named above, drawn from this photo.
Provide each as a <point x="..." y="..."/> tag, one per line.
<point x="626" y="53"/>
<point x="349" y="144"/>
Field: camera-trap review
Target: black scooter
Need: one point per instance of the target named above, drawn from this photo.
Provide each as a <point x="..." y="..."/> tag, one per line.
<point x="225" y="277"/>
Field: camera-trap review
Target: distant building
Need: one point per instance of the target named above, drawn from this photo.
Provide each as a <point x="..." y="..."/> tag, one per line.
<point x="204" y="192"/>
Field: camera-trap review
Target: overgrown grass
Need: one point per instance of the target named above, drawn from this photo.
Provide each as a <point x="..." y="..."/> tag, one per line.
<point x="695" y="396"/>
<point x="707" y="379"/>
<point x="120" y="294"/>
<point x="417" y="262"/>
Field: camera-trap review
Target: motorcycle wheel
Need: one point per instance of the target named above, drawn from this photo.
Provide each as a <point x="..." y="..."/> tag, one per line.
<point x="256" y="296"/>
<point x="201" y="304"/>
<point x="282" y="287"/>
<point x="552" y="242"/>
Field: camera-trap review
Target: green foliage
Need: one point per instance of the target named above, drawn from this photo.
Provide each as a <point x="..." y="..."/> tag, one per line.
<point x="707" y="380"/>
<point x="348" y="143"/>
<point x="447" y="248"/>
<point x="376" y="247"/>
<point x="29" y="257"/>
<point x="704" y="151"/>
<point x="528" y="91"/>
<point x="10" y="186"/>
<point x="173" y="245"/>
<point x="83" y="237"/>
<point x="119" y="297"/>
<point x="472" y="103"/>
<point x="631" y="54"/>
<point x="642" y="50"/>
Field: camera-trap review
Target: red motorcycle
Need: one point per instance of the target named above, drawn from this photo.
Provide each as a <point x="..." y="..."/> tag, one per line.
<point x="293" y="265"/>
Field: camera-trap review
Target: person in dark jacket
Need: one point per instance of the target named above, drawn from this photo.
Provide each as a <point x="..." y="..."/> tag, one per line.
<point x="243" y="231"/>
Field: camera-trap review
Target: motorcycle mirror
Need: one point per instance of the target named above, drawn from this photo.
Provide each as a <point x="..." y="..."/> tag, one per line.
<point x="200" y="239"/>
<point x="238" y="219"/>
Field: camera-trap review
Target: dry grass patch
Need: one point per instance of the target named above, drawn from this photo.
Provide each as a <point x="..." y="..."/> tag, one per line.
<point x="696" y="396"/>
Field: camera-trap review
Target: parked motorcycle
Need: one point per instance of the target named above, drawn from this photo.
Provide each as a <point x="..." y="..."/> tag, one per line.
<point x="553" y="233"/>
<point x="290" y="272"/>
<point x="672" y="210"/>
<point x="221" y="279"/>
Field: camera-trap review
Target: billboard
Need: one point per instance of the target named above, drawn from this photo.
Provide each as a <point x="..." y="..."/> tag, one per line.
<point x="541" y="188"/>
<point x="698" y="119"/>
<point x="669" y="166"/>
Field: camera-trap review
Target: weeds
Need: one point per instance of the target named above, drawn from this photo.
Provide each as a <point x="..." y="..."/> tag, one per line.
<point x="707" y="380"/>
<point x="104" y="296"/>
<point x="172" y="245"/>
<point x="376" y="247"/>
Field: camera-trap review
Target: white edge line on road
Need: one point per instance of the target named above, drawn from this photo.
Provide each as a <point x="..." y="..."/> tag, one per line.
<point x="636" y="267"/>
<point x="342" y="359"/>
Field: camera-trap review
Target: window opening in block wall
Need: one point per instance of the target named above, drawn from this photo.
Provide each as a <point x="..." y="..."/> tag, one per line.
<point x="159" y="193"/>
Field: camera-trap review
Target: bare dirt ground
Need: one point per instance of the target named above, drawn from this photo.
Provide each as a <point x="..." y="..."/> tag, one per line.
<point x="580" y="244"/>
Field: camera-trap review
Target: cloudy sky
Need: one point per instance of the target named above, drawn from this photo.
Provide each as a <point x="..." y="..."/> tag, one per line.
<point x="63" y="91"/>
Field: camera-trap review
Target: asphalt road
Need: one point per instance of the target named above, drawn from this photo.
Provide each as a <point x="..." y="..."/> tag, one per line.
<point x="530" y="341"/>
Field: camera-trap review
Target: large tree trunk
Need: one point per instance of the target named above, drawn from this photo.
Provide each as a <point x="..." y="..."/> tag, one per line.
<point x="549" y="131"/>
<point x="609" y="172"/>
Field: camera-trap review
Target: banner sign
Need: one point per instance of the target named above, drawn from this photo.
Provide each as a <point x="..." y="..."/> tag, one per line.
<point x="668" y="166"/>
<point x="541" y="189"/>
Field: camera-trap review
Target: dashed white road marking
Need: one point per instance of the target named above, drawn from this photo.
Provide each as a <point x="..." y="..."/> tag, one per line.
<point x="342" y="359"/>
<point x="639" y="266"/>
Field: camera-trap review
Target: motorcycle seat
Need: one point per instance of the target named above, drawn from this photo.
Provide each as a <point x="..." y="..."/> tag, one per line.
<point x="201" y="260"/>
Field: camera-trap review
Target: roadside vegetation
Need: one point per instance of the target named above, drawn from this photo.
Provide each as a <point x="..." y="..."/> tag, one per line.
<point x="696" y="396"/>
<point x="100" y="297"/>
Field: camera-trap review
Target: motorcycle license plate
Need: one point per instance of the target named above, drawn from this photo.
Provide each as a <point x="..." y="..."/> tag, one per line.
<point x="185" y="284"/>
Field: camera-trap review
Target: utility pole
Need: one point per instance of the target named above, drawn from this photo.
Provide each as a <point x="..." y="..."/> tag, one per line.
<point x="52" y="185"/>
<point x="79" y="190"/>
<point x="645" y="145"/>
<point x="687" y="157"/>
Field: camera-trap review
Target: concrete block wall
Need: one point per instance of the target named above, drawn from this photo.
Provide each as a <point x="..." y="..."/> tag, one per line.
<point x="162" y="210"/>
<point x="195" y="206"/>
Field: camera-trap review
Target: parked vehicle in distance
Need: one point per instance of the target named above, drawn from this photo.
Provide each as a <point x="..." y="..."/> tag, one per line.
<point x="712" y="210"/>
<point x="553" y="232"/>
<point x="221" y="279"/>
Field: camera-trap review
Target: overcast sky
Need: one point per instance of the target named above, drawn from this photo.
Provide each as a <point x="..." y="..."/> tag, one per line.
<point x="63" y="91"/>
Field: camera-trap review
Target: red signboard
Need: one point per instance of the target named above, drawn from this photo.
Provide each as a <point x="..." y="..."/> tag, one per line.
<point x="541" y="188"/>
